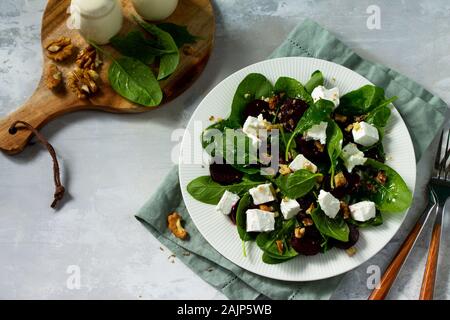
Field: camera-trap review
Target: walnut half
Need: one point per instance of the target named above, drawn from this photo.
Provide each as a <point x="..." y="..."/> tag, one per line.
<point x="59" y="49"/>
<point x="174" y="223"/>
<point x="53" y="77"/>
<point x="83" y="82"/>
<point x="88" y="58"/>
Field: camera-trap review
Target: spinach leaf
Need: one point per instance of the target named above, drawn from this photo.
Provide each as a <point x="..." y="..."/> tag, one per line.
<point x="334" y="228"/>
<point x="376" y="151"/>
<point x="232" y="145"/>
<point x="266" y="241"/>
<point x="296" y="185"/>
<point x="211" y="133"/>
<point x="254" y="86"/>
<point x="266" y="258"/>
<point x="326" y="244"/>
<point x="316" y="113"/>
<point x="236" y="147"/>
<point x="334" y="146"/>
<point x="241" y="218"/>
<point x="292" y="88"/>
<point x="379" y="116"/>
<point x="361" y="101"/>
<point x="206" y="190"/>
<point x="249" y="169"/>
<point x="217" y="141"/>
<point x="135" y="45"/>
<point x="394" y="195"/>
<point x="285" y="137"/>
<point x="315" y="81"/>
<point x="180" y="34"/>
<point x="134" y="81"/>
<point x="287" y="254"/>
<point x="168" y="62"/>
<point x="378" y="220"/>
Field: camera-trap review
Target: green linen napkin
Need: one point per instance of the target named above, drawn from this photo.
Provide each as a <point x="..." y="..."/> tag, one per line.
<point x="423" y="113"/>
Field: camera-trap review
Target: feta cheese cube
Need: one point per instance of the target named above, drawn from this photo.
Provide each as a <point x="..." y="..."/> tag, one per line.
<point x="317" y="132"/>
<point x="320" y="92"/>
<point x="260" y="221"/>
<point x="300" y="162"/>
<point x="256" y="129"/>
<point x="289" y="208"/>
<point x="365" y="134"/>
<point x="363" y="211"/>
<point x="250" y="127"/>
<point x="352" y="156"/>
<point x="262" y="193"/>
<point x="329" y="204"/>
<point x="226" y="203"/>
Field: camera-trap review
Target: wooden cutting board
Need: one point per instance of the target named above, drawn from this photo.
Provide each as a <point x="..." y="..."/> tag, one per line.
<point x="45" y="105"/>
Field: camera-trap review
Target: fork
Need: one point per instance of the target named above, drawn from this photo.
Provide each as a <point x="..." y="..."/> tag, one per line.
<point x="440" y="187"/>
<point x="439" y="190"/>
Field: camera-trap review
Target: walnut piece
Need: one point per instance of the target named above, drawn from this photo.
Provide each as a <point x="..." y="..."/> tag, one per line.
<point x="349" y="128"/>
<point x="351" y="251"/>
<point x="299" y="232"/>
<point x="307" y="222"/>
<point x="381" y="177"/>
<point x="83" y="82"/>
<point x="320" y="147"/>
<point x="273" y="102"/>
<point x="53" y="76"/>
<point x="340" y="118"/>
<point x="59" y="49"/>
<point x="340" y="180"/>
<point x="284" y="169"/>
<point x="174" y="221"/>
<point x="188" y="50"/>
<point x="265" y="207"/>
<point x="360" y="118"/>
<point x="280" y="246"/>
<point x="344" y="209"/>
<point x="88" y="58"/>
<point x="310" y="209"/>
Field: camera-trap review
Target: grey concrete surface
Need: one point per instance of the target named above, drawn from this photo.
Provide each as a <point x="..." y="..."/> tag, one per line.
<point x="113" y="163"/>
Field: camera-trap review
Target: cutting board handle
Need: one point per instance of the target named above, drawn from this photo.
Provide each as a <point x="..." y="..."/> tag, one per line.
<point x="40" y="108"/>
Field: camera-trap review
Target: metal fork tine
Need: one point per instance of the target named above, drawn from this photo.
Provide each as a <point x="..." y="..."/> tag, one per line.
<point x="446" y="156"/>
<point x="438" y="154"/>
<point x="441" y="169"/>
<point x="443" y="160"/>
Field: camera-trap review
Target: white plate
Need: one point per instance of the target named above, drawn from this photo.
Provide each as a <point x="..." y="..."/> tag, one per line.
<point x="221" y="233"/>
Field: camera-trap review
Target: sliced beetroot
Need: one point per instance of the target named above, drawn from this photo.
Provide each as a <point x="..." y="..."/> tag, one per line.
<point x="347" y="134"/>
<point x="376" y="154"/>
<point x="306" y="201"/>
<point x="352" y="239"/>
<point x="338" y="192"/>
<point x="290" y="113"/>
<point x="309" y="244"/>
<point x="257" y="107"/>
<point x="353" y="181"/>
<point x="234" y="212"/>
<point x="302" y="215"/>
<point x="310" y="150"/>
<point x="224" y="173"/>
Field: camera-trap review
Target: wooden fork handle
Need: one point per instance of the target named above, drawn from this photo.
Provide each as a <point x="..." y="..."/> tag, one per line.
<point x="392" y="270"/>
<point x="429" y="276"/>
